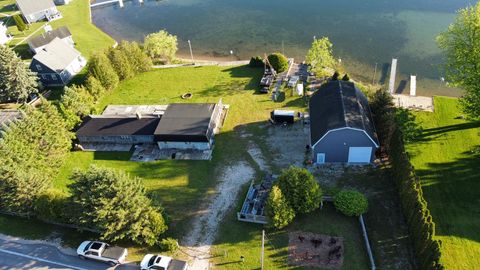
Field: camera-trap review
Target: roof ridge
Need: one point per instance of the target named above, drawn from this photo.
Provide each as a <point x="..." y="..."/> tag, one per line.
<point x="360" y="107"/>
<point x="340" y="86"/>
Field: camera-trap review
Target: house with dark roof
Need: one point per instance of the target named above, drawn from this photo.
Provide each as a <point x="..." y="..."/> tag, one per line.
<point x="57" y="63"/>
<point x="179" y="127"/>
<point x="37" y="10"/>
<point x="39" y="42"/>
<point x="341" y="125"/>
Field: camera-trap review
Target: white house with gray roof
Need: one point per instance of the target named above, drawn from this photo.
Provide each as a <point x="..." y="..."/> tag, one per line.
<point x="57" y="63"/>
<point x="37" y="10"/>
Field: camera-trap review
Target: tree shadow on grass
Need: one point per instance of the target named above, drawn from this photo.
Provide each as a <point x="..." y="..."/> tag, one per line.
<point x="435" y="134"/>
<point x="254" y="74"/>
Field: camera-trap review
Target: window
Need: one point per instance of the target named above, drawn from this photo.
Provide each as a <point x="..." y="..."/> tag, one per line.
<point x="320" y="158"/>
<point x="54" y="77"/>
<point x="39" y="67"/>
<point x="44" y="76"/>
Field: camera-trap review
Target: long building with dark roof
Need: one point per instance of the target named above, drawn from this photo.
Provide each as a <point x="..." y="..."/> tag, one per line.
<point x="342" y="128"/>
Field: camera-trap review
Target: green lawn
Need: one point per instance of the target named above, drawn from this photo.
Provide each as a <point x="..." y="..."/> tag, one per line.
<point x="450" y="176"/>
<point x="76" y="16"/>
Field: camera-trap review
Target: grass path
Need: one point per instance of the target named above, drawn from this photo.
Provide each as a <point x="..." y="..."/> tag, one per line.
<point x="449" y="170"/>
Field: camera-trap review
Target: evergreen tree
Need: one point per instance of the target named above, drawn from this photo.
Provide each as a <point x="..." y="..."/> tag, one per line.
<point x="94" y="87"/>
<point x="75" y="103"/>
<point x="121" y="63"/>
<point x="138" y="59"/>
<point x="300" y="189"/>
<point x="278" y="211"/>
<point x="161" y="45"/>
<point x="100" y="67"/>
<point x="346" y="78"/>
<point x="21" y="26"/>
<point x="116" y="205"/>
<point x="335" y="76"/>
<point x="16" y="79"/>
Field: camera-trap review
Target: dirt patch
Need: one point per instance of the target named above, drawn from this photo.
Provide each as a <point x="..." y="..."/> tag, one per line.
<point x="288" y="144"/>
<point x="198" y="242"/>
<point x="317" y="250"/>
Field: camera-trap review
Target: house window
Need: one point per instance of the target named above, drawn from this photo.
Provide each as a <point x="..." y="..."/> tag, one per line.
<point x="44" y="77"/>
<point x="54" y="77"/>
<point x="39" y="67"/>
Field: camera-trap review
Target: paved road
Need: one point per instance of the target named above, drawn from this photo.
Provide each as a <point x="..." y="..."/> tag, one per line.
<point x="16" y="256"/>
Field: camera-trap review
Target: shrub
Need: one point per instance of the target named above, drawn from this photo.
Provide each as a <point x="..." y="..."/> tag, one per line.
<point x="278" y="211"/>
<point x="256" y="61"/>
<point x="300" y="189"/>
<point x="168" y="244"/>
<point x="21" y="26"/>
<point x="335" y="76"/>
<point x="351" y="203"/>
<point x="52" y="205"/>
<point x="278" y="61"/>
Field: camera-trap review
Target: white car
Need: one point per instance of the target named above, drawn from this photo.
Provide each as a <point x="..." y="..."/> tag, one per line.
<point x="159" y="262"/>
<point x="102" y="252"/>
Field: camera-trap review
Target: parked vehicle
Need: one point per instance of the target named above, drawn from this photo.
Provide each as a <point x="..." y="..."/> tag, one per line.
<point x="266" y="80"/>
<point x="282" y="117"/>
<point x="159" y="262"/>
<point x="293" y="81"/>
<point x="102" y="252"/>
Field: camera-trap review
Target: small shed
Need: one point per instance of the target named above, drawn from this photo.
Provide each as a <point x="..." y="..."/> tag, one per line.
<point x="342" y="128"/>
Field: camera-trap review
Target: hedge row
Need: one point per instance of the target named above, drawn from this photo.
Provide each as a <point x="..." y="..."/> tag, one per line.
<point x="420" y="224"/>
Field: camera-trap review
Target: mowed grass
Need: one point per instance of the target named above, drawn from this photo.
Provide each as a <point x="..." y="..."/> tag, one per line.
<point x="450" y="172"/>
<point x="238" y="239"/>
<point x="76" y="16"/>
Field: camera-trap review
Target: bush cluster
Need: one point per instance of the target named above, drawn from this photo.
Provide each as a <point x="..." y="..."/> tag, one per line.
<point x="278" y="61"/>
<point x="168" y="244"/>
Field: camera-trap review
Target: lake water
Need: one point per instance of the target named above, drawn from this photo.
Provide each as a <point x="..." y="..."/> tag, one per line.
<point x="364" y="32"/>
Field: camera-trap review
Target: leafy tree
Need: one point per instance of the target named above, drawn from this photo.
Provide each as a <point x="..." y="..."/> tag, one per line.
<point x="136" y="56"/>
<point x="21" y="26"/>
<point x="161" y="45"/>
<point x="31" y="152"/>
<point x="100" y="67"/>
<point x="461" y="44"/>
<point x="75" y="103"/>
<point x="16" y="79"/>
<point x="256" y="61"/>
<point x="116" y="205"/>
<point x="320" y="55"/>
<point x="94" y="87"/>
<point x="168" y="244"/>
<point x="278" y="61"/>
<point x="300" y="189"/>
<point x="278" y="211"/>
<point x="346" y="78"/>
<point x="351" y="202"/>
<point x="406" y="122"/>
<point x="121" y="63"/>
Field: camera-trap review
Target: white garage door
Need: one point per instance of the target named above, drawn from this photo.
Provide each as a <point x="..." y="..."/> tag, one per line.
<point x="359" y="154"/>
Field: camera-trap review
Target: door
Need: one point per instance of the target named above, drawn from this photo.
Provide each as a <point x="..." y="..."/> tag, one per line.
<point x="359" y="154"/>
<point x="320" y="158"/>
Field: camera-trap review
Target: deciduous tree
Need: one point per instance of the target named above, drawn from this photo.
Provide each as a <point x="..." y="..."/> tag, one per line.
<point x="320" y="55"/>
<point x="461" y="44"/>
<point x="116" y="205"/>
<point x="161" y="45"/>
<point x="300" y="189"/>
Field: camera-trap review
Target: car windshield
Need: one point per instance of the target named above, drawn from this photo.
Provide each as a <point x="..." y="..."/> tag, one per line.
<point x="152" y="260"/>
<point x="87" y="247"/>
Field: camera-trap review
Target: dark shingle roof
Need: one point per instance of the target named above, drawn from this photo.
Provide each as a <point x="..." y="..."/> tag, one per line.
<point x="339" y="104"/>
<point x="99" y="126"/>
<point x="45" y="38"/>
<point x="185" y="122"/>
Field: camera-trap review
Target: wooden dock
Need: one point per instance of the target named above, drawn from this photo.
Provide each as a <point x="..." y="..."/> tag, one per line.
<point x="104" y="3"/>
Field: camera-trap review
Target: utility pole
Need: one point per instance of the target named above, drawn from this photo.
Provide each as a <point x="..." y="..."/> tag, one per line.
<point x="263" y="248"/>
<point x="191" y="53"/>
<point x="374" y="74"/>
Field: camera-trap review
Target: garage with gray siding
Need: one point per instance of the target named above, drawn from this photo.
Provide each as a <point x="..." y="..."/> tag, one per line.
<point x="341" y="129"/>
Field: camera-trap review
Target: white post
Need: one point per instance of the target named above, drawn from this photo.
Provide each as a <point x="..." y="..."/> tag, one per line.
<point x="121" y="3"/>
<point x="263" y="248"/>
<point x="141" y="1"/>
<point x="191" y="52"/>
<point x="413" y="85"/>
<point x="393" y="73"/>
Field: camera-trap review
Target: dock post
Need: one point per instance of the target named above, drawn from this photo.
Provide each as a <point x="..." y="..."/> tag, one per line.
<point x="141" y="1"/>
<point x="393" y="74"/>
<point x="413" y="85"/>
<point x="120" y="2"/>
